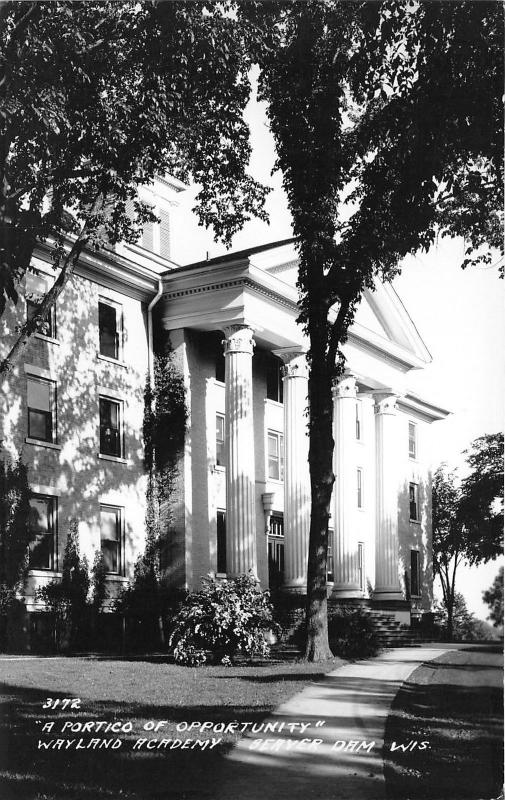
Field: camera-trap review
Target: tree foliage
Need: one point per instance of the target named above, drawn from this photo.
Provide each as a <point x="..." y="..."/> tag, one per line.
<point x="481" y="503"/>
<point x="467" y="515"/>
<point x="377" y="113"/>
<point x="493" y="597"/>
<point x="15" y="534"/>
<point x="100" y="97"/>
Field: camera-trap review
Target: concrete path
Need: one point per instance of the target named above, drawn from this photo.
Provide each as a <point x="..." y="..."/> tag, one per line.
<point x="326" y="742"/>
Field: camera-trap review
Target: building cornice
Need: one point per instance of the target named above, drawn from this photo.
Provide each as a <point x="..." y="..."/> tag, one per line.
<point x="429" y="412"/>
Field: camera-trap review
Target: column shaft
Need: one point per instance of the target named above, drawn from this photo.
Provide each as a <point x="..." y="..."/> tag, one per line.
<point x="346" y="566"/>
<point x="239" y="436"/>
<point x="296" y="471"/>
<point x="387" y="585"/>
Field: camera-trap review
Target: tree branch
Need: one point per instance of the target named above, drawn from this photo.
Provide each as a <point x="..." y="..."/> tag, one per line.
<point x="335" y="335"/>
<point x="32" y="325"/>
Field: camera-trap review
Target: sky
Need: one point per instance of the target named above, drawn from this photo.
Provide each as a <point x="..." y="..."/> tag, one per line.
<point x="459" y="314"/>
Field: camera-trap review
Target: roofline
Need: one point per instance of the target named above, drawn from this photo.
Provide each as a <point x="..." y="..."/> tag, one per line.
<point x="234" y="256"/>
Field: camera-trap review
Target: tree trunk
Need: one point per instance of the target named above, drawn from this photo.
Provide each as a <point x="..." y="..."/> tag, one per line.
<point x="321" y="484"/>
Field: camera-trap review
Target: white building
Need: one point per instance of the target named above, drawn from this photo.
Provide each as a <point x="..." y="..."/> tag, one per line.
<point x="73" y="408"/>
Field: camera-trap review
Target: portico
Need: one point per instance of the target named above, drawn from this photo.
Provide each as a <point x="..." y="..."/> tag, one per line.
<point x="260" y="495"/>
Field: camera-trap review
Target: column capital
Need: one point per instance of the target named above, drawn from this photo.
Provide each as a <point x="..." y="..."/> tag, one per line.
<point x="345" y="387"/>
<point x="239" y="339"/>
<point x="295" y="361"/>
<point x="385" y="402"/>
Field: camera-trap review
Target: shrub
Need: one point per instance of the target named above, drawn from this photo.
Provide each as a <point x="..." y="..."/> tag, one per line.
<point x="351" y="633"/>
<point x="222" y="620"/>
<point x="67" y="599"/>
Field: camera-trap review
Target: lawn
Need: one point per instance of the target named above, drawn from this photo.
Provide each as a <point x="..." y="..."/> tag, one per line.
<point x="140" y="692"/>
<point x="456" y="704"/>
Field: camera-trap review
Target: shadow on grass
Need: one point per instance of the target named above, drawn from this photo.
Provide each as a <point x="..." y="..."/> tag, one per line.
<point x="27" y="772"/>
<point x="461" y="723"/>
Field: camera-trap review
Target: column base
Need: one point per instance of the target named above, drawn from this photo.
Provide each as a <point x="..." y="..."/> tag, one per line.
<point x="294" y="588"/>
<point x="346" y="593"/>
<point x="388" y="594"/>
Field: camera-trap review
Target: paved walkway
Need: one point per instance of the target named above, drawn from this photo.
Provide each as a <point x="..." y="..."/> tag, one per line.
<point x="326" y="742"/>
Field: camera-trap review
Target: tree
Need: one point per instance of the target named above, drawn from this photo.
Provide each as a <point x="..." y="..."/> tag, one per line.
<point x="125" y="91"/>
<point x="481" y="504"/>
<point x="15" y="534"/>
<point x="448" y="546"/>
<point x="494" y="599"/>
<point x="388" y="129"/>
<point x="467" y="516"/>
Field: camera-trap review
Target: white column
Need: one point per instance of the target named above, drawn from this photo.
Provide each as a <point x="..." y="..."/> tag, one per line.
<point x="296" y="469"/>
<point x="387" y="584"/>
<point x="345" y="495"/>
<point x="239" y="436"/>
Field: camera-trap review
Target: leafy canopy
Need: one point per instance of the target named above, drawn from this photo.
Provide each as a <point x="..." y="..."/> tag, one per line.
<point x="99" y="97"/>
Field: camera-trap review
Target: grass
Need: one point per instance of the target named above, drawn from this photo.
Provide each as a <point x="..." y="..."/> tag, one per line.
<point x="138" y="691"/>
<point x="459" y="711"/>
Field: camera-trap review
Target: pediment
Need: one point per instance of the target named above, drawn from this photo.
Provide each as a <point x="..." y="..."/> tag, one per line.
<point x="381" y="316"/>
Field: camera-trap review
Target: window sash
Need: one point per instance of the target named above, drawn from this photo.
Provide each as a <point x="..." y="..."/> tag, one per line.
<point x="359" y="487"/>
<point x="220" y="448"/>
<point x="221" y="543"/>
<point x="275" y="386"/>
<point x="42" y="524"/>
<point x="110" y="427"/>
<point x="40" y="396"/>
<point x="48" y="324"/>
<point x="358" y="420"/>
<point x="111" y="538"/>
<point x="275" y="452"/>
<point x="414" y="502"/>
<point x="108" y="329"/>
<point x="412" y="440"/>
<point x="415" y="573"/>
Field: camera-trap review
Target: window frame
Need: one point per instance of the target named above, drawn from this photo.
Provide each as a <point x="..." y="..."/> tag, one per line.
<point x="119" y="332"/>
<point x="416" y="572"/>
<point x="51" y="333"/>
<point x="414" y="501"/>
<point x="330" y="557"/>
<point x="120" y="536"/>
<point x="221" y="554"/>
<point x="359" y="488"/>
<point x="50" y="416"/>
<point x="278" y="437"/>
<point x="53" y="533"/>
<point x="120" y="404"/>
<point x="220" y="442"/>
<point x="274" y="363"/>
<point x="359" y="421"/>
<point x="413" y="440"/>
<point x="361" y="566"/>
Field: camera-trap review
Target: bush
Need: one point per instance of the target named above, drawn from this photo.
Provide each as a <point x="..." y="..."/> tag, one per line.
<point x="351" y="633"/>
<point x="222" y="620"/>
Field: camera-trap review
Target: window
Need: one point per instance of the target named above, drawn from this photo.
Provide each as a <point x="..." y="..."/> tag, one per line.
<point x="48" y="325"/>
<point x="359" y="487"/>
<point x="414" y="501"/>
<point x="220" y="451"/>
<point x="221" y="542"/>
<point x="275" y="456"/>
<point x="111" y="537"/>
<point x="110" y="427"/>
<point x="361" y="566"/>
<point x="276" y="552"/>
<point x="330" y="565"/>
<point x="42" y="524"/>
<point x="274" y="380"/>
<point x="415" y="573"/>
<point x="412" y="440"/>
<point x="358" y="419"/>
<point x="109" y="329"/>
<point x="220" y="367"/>
<point x="41" y="401"/>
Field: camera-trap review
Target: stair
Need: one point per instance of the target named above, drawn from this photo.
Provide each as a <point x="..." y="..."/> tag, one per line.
<point x="392" y="633"/>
